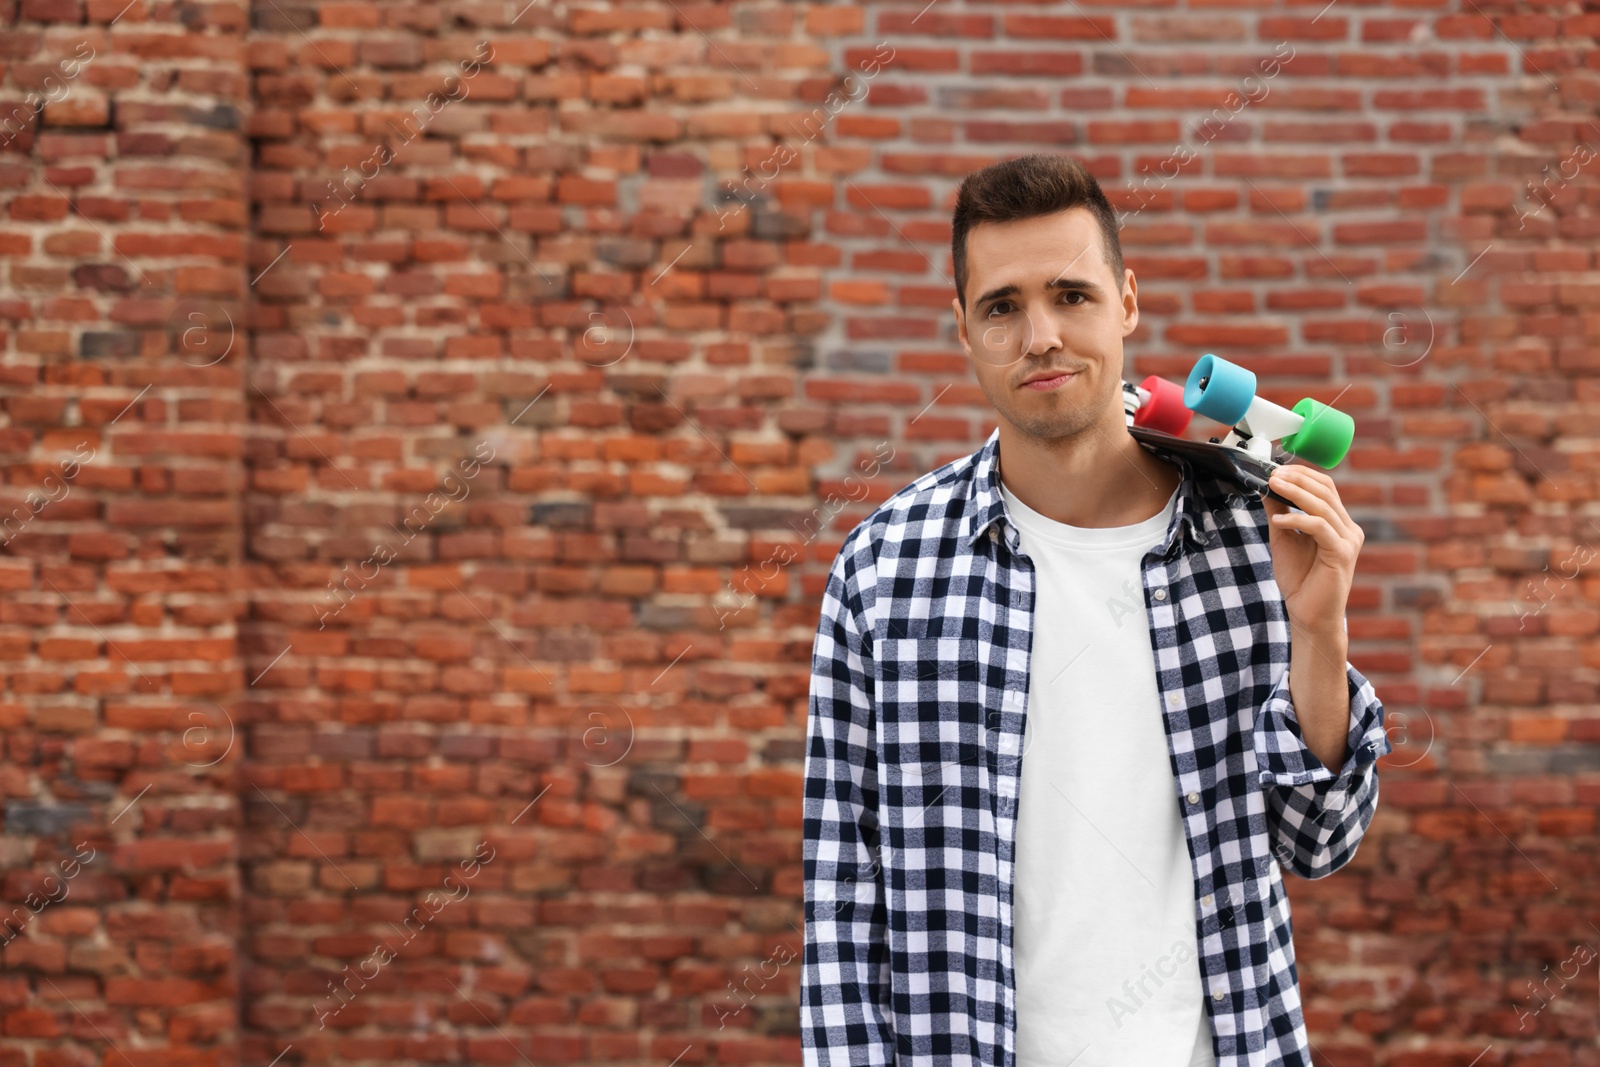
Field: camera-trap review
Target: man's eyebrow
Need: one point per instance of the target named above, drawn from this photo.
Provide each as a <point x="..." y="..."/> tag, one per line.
<point x="1093" y="288"/>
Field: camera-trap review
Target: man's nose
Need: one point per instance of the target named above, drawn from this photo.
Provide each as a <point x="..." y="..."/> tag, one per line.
<point x="1043" y="333"/>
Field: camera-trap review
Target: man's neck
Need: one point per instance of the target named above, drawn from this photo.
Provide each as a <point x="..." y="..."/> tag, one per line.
<point x="1101" y="477"/>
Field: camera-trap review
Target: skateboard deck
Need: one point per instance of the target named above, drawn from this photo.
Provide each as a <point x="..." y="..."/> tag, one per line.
<point x="1248" y="472"/>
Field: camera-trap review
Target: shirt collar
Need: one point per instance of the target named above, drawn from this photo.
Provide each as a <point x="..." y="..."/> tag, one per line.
<point x="986" y="505"/>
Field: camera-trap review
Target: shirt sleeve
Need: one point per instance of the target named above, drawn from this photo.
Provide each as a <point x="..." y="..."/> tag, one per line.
<point x="845" y="1012"/>
<point x="1317" y="818"/>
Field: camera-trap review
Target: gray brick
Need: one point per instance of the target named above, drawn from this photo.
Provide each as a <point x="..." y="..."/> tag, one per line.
<point x="33" y="817"/>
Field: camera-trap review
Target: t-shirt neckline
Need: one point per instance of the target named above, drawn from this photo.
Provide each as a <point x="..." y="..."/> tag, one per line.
<point x="1042" y="526"/>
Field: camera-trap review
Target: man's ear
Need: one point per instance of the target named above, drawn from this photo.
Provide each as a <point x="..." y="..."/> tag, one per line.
<point x="961" y="324"/>
<point x="1130" y="302"/>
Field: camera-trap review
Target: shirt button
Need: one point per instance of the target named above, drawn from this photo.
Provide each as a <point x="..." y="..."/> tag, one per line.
<point x="1194" y="798"/>
<point x="1160" y="594"/>
<point x="1173" y="700"/>
<point x="1217" y="995"/>
<point x="1206" y="900"/>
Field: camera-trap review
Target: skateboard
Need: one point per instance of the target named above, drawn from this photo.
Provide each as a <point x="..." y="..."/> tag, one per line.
<point x="1158" y="411"/>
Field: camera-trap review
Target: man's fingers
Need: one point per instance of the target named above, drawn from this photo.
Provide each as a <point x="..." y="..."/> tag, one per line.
<point x="1314" y="493"/>
<point x="1307" y="495"/>
<point x="1321" y="483"/>
<point x="1332" y="544"/>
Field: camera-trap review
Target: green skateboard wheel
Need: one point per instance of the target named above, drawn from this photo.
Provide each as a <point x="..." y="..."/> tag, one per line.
<point x="1324" y="437"/>
<point x="1219" y="390"/>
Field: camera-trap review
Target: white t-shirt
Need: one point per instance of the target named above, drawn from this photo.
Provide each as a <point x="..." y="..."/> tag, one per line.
<point x="1106" y="962"/>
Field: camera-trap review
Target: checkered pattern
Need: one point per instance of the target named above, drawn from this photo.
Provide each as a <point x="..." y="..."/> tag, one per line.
<point x="919" y="683"/>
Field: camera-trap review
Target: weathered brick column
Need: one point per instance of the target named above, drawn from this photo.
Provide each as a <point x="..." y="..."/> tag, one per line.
<point x="123" y="160"/>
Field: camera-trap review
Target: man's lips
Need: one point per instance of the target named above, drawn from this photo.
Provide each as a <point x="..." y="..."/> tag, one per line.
<point x="1054" y="380"/>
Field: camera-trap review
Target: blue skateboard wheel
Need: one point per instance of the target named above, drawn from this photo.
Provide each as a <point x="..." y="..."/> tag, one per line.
<point x="1219" y="390"/>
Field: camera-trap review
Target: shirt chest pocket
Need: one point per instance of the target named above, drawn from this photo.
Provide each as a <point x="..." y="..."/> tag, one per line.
<point x="930" y="710"/>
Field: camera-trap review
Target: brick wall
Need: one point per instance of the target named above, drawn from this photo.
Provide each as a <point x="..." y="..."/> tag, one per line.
<point x="427" y="428"/>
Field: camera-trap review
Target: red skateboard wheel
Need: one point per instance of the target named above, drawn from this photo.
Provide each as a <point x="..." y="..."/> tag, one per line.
<point x="1165" y="410"/>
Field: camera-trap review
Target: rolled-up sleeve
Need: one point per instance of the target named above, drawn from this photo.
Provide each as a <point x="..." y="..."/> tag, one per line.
<point x="845" y="1011"/>
<point x="1317" y="817"/>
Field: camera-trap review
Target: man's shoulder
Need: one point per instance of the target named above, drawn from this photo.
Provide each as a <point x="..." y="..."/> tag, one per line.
<point x="929" y="508"/>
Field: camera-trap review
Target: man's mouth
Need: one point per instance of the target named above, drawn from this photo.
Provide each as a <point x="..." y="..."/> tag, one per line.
<point x="1054" y="381"/>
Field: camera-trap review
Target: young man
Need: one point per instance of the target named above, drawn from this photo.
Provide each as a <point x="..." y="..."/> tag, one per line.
<point x="1164" y="655"/>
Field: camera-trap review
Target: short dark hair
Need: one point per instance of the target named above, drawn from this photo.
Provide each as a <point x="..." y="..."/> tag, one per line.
<point x="1024" y="188"/>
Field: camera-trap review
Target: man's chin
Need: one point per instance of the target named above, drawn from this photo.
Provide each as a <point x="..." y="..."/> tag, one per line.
<point x="1053" y="425"/>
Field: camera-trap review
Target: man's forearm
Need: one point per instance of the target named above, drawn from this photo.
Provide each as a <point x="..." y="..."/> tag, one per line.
<point x="1320" y="689"/>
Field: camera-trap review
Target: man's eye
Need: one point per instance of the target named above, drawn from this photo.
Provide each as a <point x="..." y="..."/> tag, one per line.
<point x="1003" y="307"/>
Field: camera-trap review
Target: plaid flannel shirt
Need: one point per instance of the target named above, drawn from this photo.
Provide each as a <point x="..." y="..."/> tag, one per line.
<point x="919" y="683"/>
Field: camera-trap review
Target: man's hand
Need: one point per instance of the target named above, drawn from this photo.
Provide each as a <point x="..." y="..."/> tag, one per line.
<point x="1314" y="554"/>
<point x="1314" y="563"/>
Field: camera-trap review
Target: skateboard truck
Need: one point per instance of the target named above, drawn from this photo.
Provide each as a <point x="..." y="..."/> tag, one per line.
<point x="1226" y="392"/>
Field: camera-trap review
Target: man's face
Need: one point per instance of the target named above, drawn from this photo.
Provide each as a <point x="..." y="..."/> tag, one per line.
<point x="1042" y="298"/>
